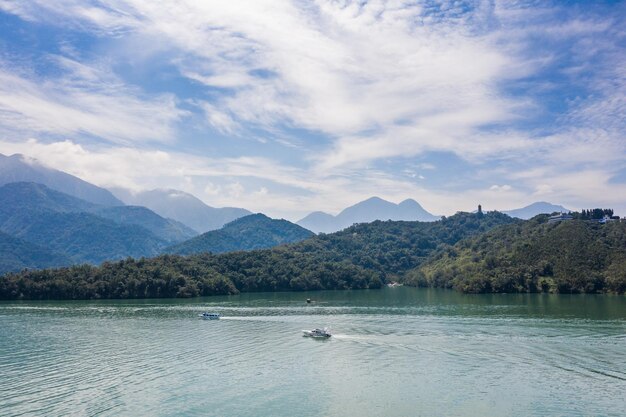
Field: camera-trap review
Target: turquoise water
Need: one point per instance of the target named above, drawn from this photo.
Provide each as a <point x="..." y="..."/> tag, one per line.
<point x="395" y="352"/>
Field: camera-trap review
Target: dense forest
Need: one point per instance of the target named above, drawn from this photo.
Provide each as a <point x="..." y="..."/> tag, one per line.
<point x="481" y="252"/>
<point x="177" y="276"/>
<point x="256" y="231"/>
<point x="534" y="256"/>
<point x="361" y="256"/>
<point x="393" y="247"/>
<point x="17" y="254"/>
<point x="593" y="214"/>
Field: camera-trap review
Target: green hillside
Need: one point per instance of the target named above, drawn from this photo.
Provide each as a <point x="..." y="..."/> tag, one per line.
<point x="170" y="231"/>
<point x="362" y="256"/>
<point x="393" y="247"/>
<point x="20" y="197"/>
<point x="83" y="231"/>
<point x="24" y="201"/>
<point x="255" y="231"/>
<point x="568" y="257"/>
<point x="85" y="237"/>
<point x="17" y="254"/>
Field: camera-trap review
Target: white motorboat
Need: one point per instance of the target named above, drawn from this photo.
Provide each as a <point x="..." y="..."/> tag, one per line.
<point x="317" y="333"/>
<point x="209" y="316"/>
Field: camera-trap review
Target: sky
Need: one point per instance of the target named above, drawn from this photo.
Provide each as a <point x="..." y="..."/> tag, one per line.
<point x="286" y="107"/>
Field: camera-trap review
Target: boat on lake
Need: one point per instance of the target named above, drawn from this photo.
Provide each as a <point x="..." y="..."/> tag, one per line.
<point x="317" y="333"/>
<point x="209" y="316"/>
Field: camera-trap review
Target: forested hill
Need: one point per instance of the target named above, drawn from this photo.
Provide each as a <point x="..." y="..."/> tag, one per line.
<point x="17" y="254"/>
<point x="393" y="247"/>
<point x="256" y="231"/>
<point x="362" y="256"/>
<point x="573" y="256"/>
<point x="72" y="230"/>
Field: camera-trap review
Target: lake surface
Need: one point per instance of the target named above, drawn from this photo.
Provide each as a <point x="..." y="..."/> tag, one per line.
<point x="395" y="352"/>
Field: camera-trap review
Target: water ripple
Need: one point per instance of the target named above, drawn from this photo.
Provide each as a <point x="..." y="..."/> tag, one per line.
<point x="401" y="356"/>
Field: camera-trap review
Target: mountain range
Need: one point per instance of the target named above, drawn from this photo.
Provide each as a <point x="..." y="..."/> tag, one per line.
<point x="17" y="254"/>
<point x="171" y="204"/>
<point x="256" y="231"/>
<point x="19" y="168"/>
<point x="373" y="208"/>
<point x="540" y="207"/>
<point x="41" y="227"/>
<point x="183" y="207"/>
<point x="51" y="218"/>
<point x="195" y="214"/>
<point x="362" y="256"/>
<point x="78" y="230"/>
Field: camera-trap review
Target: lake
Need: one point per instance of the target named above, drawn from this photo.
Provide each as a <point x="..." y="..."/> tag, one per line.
<point x="394" y="352"/>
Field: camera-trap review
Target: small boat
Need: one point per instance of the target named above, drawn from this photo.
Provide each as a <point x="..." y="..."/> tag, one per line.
<point x="209" y="316"/>
<point x="317" y="333"/>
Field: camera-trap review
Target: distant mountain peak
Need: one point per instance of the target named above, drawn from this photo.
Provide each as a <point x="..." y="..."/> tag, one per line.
<point x="22" y="168"/>
<point x="531" y="210"/>
<point x="250" y="218"/>
<point x="373" y="208"/>
<point x="318" y="213"/>
<point x="410" y="203"/>
<point x="255" y="231"/>
<point x="182" y="207"/>
<point x="374" y="199"/>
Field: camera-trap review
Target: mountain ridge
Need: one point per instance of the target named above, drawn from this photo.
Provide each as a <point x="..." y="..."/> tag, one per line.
<point x="533" y="209"/>
<point x="255" y="231"/>
<point x="34" y="197"/>
<point x="80" y="230"/>
<point x="19" y="168"/>
<point x="366" y="211"/>
<point x="182" y="207"/>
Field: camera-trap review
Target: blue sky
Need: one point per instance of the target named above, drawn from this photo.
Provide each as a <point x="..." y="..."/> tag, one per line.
<point x="286" y="106"/>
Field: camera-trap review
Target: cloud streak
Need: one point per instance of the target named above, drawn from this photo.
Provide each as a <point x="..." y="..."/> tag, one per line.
<point x="83" y="99"/>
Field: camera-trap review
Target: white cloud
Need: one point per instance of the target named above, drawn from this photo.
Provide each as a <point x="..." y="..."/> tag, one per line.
<point x="426" y="166"/>
<point x="220" y="120"/>
<point x="336" y="67"/>
<point x="543" y="189"/>
<point x="212" y="190"/>
<point x="109" y="19"/>
<point x="83" y="100"/>
<point x="292" y="193"/>
<point x="235" y="190"/>
<point x="501" y="188"/>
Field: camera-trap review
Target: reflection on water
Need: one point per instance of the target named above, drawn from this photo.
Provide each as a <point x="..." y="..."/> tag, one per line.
<point x="395" y="352"/>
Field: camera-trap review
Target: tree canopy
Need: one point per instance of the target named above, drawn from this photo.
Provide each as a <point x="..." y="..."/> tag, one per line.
<point x="573" y="256"/>
<point x="361" y="256"/>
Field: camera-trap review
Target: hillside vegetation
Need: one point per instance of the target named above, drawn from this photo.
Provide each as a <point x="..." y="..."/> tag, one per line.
<point x="255" y="231"/>
<point x="17" y="254"/>
<point x="393" y="247"/>
<point x="75" y="231"/>
<point x="362" y="256"/>
<point x="534" y="256"/>
<point x="176" y="276"/>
